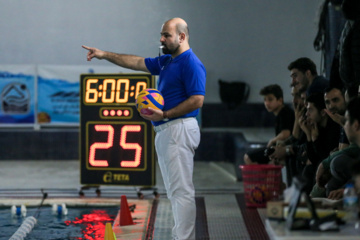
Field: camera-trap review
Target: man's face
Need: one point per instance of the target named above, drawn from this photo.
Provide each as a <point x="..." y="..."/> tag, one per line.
<point x="312" y="113"/>
<point x="335" y="102"/>
<point x="169" y="38"/>
<point x="272" y="103"/>
<point x="299" y="79"/>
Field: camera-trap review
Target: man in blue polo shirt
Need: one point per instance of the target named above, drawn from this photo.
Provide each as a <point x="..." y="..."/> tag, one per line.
<point x="182" y="79"/>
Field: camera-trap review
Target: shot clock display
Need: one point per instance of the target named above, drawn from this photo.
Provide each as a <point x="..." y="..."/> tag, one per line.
<point x="116" y="144"/>
<point x="111" y="90"/>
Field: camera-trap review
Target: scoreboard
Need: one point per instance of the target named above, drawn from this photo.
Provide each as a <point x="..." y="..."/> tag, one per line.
<point x="116" y="144"/>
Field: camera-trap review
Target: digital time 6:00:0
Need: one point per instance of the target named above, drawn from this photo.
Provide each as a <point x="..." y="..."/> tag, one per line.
<point x="111" y="90"/>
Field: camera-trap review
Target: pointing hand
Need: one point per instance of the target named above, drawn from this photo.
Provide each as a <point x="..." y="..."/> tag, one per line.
<point x="93" y="52"/>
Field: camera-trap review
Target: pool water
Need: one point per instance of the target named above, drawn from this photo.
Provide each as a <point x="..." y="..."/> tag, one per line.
<point x="80" y="223"/>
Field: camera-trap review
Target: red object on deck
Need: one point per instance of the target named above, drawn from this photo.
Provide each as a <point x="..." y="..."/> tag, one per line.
<point x="125" y="215"/>
<point x="262" y="183"/>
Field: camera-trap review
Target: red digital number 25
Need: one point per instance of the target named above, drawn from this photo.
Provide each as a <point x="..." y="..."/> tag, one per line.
<point x="105" y="145"/>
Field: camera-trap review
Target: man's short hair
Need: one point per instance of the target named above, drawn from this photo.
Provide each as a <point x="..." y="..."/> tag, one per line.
<point x="353" y="109"/>
<point x="318" y="100"/>
<point x="330" y="88"/>
<point x="303" y="64"/>
<point x="272" y="89"/>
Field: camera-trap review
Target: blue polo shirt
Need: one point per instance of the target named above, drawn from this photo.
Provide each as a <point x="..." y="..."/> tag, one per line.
<point x="179" y="78"/>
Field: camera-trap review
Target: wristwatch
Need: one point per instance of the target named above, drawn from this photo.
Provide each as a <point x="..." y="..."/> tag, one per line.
<point x="165" y="116"/>
<point x="287" y="150"/>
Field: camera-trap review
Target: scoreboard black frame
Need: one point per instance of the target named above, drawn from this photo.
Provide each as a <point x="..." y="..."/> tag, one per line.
<point x="116" y="144"/>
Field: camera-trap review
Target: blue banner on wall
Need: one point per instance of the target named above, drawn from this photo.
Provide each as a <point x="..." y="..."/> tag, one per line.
<point x="17" y="98"/>
<point x="58" y="101"/>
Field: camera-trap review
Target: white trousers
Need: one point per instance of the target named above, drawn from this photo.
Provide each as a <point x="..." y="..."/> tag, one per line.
<point x="175" y="147"/>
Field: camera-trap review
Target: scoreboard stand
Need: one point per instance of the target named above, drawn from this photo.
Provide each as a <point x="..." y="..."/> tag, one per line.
<point x="116" y="143"/>
<point x="139" y="191"/>
<point x="86" y="187"/>
<point x="140" y="194"/>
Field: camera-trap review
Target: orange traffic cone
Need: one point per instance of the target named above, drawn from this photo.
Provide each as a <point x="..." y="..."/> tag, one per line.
<point x="125" y="215"/>
<point x="109" y="234"/>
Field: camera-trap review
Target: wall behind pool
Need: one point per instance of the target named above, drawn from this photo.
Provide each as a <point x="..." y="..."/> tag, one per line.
<point x="237" y="40"/>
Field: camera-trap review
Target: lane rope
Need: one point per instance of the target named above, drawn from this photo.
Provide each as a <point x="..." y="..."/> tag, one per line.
<point x="29" y="223"/>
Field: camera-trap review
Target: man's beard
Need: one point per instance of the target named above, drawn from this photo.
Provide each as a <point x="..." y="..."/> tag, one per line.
<point x="166" y="50"/>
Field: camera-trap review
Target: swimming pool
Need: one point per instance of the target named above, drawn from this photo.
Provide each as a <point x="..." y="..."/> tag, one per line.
<point x="80" y="223"/>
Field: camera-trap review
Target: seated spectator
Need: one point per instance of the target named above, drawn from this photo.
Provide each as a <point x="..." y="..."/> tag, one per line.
<point x="322" y="132"/>
<point x="305" y="77"/>
<point x="335" y="104"/>
<point x="293" y="149"/>
<point x="274" y="103"/>
<point x="322" y="135"/>
<point x="335" y="109"/>
<point x="334" y="171"/>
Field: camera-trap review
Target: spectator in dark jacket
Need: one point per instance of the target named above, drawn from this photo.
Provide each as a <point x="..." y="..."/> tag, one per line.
<point x="322" y="135"/>
<point x="340" y="164"/>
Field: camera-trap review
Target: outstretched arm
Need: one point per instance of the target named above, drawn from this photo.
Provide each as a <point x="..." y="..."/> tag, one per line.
<point x="123" y="60"/>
